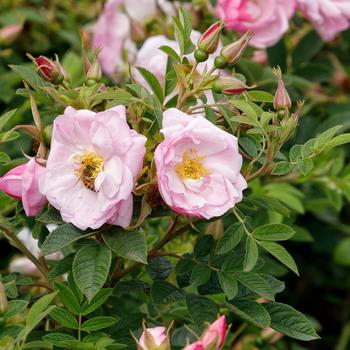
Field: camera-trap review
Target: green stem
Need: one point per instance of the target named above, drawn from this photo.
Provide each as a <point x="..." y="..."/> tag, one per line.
<point x="79" y="327"/>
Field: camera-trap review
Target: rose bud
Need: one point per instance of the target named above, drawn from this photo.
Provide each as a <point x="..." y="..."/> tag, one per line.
<point x="209" y="40"/>
<point x="154" y="339"/>
<point x="229" y="85"/>
<point x="198" y="345"/>
<point x="10" y="33"/>
<point x="200" y="55"/>
<point x="282" y="99"/>
<point x="214" y="336"/>
<point x="233" y="52"/>
<point x="94" y="73"/>
<point x="49" y="70"/>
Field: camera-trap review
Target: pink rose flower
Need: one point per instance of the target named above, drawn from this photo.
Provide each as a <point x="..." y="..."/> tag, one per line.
<point x="329" y="17"/>
<point x="198" y="345"/>
<point x="267" y="19"/>
<point x="113" y="29"/>
<point x="21" y="182"/>
<point x="215" y="333"/>
<point x="92" y="166"/>
<point x="154" y="338"/>
<point x="198" y="166"/>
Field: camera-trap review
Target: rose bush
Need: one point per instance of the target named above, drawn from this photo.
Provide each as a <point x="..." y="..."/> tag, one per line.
<point x="163" y="204"/>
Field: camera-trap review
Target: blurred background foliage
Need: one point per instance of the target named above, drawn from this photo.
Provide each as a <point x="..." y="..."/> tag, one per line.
<point x="314" y="71"/>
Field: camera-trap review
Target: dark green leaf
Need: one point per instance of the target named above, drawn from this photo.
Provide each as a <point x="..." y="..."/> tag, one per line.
<point x="164" y="292"/>
<point x="64" y="317"/>
<point x="201" y="309"/>
<point x="67" y="297"/>
<point x="273" y="232"/>
<point x="231" y="237"/>
<point x="99" y="299"/>
<point x="228" y="284"/>
<point x="152" y="82"/>
<point x="96" y="323"/>
<point x="251" y="254"/>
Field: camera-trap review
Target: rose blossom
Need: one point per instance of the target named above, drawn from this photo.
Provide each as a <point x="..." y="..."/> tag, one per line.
<point x="198" y="166"/>
<point x="92" y="166"/>
<point x="21" y="182"/>
<point x="267" y="19"/>
<point x="198" y="345"/>
<point x="329" y="17"/>
<point x="154" y="338"/>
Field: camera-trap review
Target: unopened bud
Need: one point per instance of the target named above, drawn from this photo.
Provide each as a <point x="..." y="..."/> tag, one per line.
<point x="296" y="115"/>
<point x="220" y="62"/>
<point x="10" y="33"/>
<point x="3" y="299"/>
<point x="154" y="339"/>
<point x="230" y="85"/>
<point x="282" y="100"/>
<point x="233" y="52"/>
<point x="209" y="40"/>
<point x="49" y="70"/>
<point x="94" y="73"/>
<point x="200" y="55"/>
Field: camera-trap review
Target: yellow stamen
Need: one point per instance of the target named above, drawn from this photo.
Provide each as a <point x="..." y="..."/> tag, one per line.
<point x="191" y="166"/>
<point x="90" y="166"/>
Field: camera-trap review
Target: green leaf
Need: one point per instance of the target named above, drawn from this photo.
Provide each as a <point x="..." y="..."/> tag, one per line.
<point x="64" y="317"/>
<point x="116" y="97"/>
<point x="15" y="307"/>
<point x="6" y="117"/>
<point x="60" y="238"/>
<point x="58" y="339"/>
<point x="9" y="136"/>
<point x="171" y="53"/>
<point x="67" y="297"/>
<point x="200" y="274"/>
<point x="231" y="237"/>
<point x="255" y="283"/>
<point x="250" y="311"/>
<point x="290" y="322"/>
<point x="295" y="153"/>
<point x="90" y="268"/>
<point x="127" y="244"/>
<point x="247" y="108"/>
<point x="99" y="299"/>
<point x="281" y="254"/>
<point x="30" y="76"/>
<point x="152" y="82"/>
<point x="251" y="254"/>
<point x="159" y="268"/>
<point x="341" y="252"/>
<point x="201" y="309"/>
<point x="260" y="96"/>
<point x="185" y="20"/>
<point x="163" y="292"/>
<point x="96" y="323"/>
<point x="337" y="141"/>
<point x="305" y="165"/>
<point x="273" y="232"/>
<point x="282" y="168"/>
<point x="39" y="310"/>
<point x="62" y="266"/>
<point x="4" y="158"/>
<point x="228" y="284"/>
<point x="326" y="136"/>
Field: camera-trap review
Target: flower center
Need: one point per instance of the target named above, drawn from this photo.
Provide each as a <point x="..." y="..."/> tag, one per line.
<point x="90" y="166"/>
<point x="191" y="166"/>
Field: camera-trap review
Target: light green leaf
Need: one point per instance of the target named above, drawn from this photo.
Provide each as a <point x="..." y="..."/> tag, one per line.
<point x="290" y="322"/>
<point x="337" y="141"/>
<point x="231" y="237"/>
<point x="128" y="244"/>
<point x="260" y="96"/>
<point x="251" y="311"/>
<point x="305" y="165"/>
<point x="295" y="153"/>
<point x="4" y="158"/>
<point x="99" y="299"/>
<point x="251" y="254"/>
<point x="90" y="268"/>
<point x="96" y="323"/>
<point x="60" y="238"/>
<point x="282" y="168"/>
<point x="15" y="307"/>
<point x="6" y="117"/>
<point x="281" y="254"/>
<point x="153" y="83"/>
<point x="67" y="297"/>
<point x="228" y="284"/>
<point x="64" y="317"/>
<point x="171" y="53"/>
<point x="255" y="283"/>
<point x="273" y="232"/>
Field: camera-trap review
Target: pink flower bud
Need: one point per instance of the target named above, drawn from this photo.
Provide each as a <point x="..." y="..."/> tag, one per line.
<point x="233" y="52"/>
<point x="215" y="334"/>
<point x="198" y="345"/>
<point x="230" y="85"/>
<point x="209" y="40"/>
<point x="10" y="33"/>
<point x="282" y="99"/>
<point x="21" y="182"/>
<point x="154" y="339"/>
<point x="49" y="70"/>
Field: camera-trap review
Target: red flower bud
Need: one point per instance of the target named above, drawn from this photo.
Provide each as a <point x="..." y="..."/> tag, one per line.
<point x="230" y="85"/>
<point x="49" y="70"/>
<point x="209" y="40"/>
<point x="233" y="52"/>
<point x="282" y="99"/>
